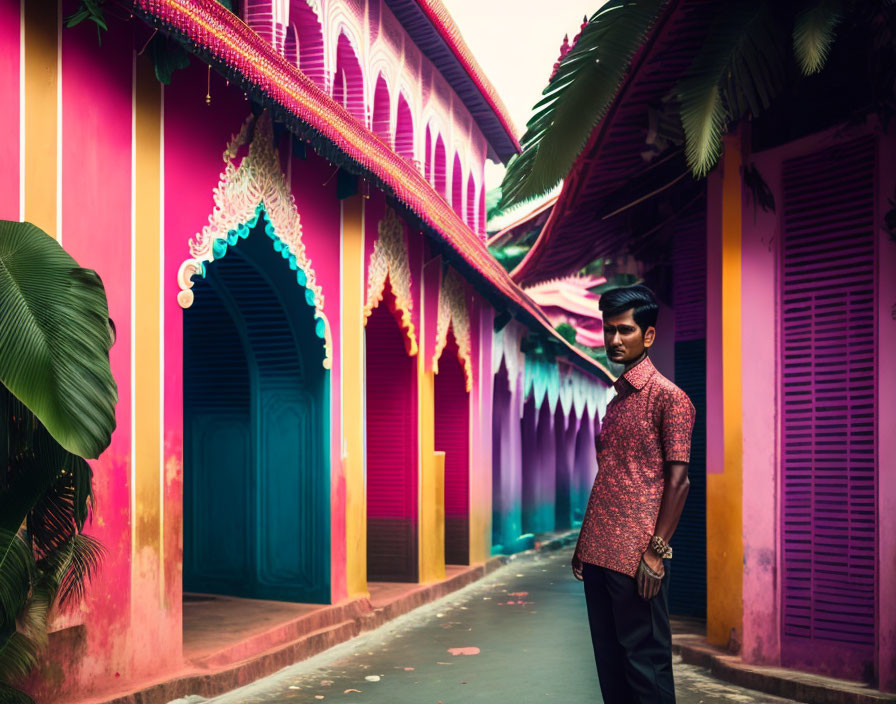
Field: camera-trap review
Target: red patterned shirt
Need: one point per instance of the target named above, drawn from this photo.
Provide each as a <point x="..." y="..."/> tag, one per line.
<point x="647" y="423"/>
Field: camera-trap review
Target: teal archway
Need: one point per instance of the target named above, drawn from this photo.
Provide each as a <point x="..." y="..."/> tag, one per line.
<point x="256" y="429"/>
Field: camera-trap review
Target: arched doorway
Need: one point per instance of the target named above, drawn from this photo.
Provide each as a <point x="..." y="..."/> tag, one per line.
<point x="404" y="131"/>
<point x="565" y="427"/>
<point x="440" y="169"/>
<point x="457" y="187"/>
<point x="391" y="413"/>
<point x="256" y="410"/>
<point x="585" y="467"/>
<point x="348" y="81"/>
<point x="452" y="436"/>
<point x="528" y="427"/>
<point x="305" y="41"/>
<point x="382" y="126"/>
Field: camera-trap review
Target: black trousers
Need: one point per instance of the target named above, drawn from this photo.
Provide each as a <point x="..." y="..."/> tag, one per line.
<point x="631" y="636"/>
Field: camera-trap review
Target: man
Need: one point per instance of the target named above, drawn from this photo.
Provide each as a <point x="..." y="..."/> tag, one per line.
<point x="642" y="481"/>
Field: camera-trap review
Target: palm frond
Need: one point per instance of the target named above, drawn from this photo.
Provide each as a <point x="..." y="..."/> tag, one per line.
<point x="740" y="68"/>
<point x="11" y="695"/>
<point x="71" y="566"/>
<point x="63" y="508"/>
<point x="579" y="95"/>
<point x="54" y="339"/>
<point x="19" y="654"/>
<point x="814" y="33"/>
<point x="16" y="575"/>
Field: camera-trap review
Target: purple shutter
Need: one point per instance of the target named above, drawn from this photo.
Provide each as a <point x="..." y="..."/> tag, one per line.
<point x="687" y="587"/>
<point x="828" y="448"/>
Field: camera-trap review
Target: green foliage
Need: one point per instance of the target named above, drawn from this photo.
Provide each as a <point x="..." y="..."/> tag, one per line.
<point x="813" y="34"/>
<point x="167" y="56"/>
<point x="55" y="339"/>
<point x="567" y="332"/>
<point x="509" y="256"/>
<point x="738" y="72"/>
<point x="89" y="10"/>
<point x="57" y="405"/>
<point x="578" y="97"/>
<point x="740" y="68"/>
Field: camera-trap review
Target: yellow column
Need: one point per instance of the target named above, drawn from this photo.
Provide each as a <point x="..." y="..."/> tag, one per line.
<point x="149" y="561"/>
<point x="724" y="491"/>
<point x="431" y="523"/>
<point x="352" y="397"/>
<point x="41" y="151"/>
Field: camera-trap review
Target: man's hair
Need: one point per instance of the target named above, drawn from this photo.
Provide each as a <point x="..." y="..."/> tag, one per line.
<point x="637" y="297"/>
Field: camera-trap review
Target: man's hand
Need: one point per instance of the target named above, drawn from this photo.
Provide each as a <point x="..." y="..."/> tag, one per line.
<point x="647" y="587"/>
<point x="577" y="568"/>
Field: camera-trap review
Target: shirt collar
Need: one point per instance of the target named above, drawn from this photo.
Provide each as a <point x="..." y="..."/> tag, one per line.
<point x="638" y="375"/>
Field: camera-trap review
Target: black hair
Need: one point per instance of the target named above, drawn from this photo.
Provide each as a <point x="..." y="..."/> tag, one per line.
<point x="637" y="297"/>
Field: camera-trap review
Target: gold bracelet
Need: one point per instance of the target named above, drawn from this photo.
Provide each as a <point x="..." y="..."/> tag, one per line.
<point x="660" y="547"/>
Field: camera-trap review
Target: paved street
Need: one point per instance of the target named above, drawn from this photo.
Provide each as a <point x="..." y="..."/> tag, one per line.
<point x="519" y="635"/>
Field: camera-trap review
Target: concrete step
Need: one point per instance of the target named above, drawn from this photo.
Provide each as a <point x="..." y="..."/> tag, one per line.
<point x="287" y="633"/>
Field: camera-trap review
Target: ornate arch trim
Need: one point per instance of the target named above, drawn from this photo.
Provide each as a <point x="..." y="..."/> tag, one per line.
<point x="389" y="262"/>
<point x="453" y="313"/>
<point x="255" y="188"/>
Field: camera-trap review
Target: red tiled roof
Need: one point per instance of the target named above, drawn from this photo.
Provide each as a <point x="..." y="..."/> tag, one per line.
<point x="221" y="38"/>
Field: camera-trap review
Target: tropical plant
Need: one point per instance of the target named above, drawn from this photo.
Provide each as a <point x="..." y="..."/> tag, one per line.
<point x="748" y="52"/>
<point x="58" y="397"/>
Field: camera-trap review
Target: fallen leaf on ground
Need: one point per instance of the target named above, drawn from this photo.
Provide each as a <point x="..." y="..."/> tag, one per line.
<point x="408" y="669"/>
<point x="372" y="678"/>
<point x="464" y="651"/>
<point x="352" y="690"/>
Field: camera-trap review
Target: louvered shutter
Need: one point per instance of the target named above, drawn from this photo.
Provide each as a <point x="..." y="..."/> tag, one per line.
<point x="391" y="452"/>
<point x="828" y="368"/>
<point x="687" y="589"/>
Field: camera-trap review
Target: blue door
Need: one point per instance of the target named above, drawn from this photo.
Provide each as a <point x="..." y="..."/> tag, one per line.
<point x="256" y="408"/>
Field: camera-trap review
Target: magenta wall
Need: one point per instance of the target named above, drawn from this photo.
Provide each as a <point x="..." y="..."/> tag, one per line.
<point x="9" y="116"/>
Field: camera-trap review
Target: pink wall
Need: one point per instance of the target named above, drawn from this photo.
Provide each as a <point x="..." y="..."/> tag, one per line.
<point x="886" y="422"/>
<point x="96" y="226"/>
<point x="760" y="231"/>
<point x="9" y="116"/>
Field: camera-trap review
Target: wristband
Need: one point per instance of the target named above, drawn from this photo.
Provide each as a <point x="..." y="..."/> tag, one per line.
<point x="660" y="547"/>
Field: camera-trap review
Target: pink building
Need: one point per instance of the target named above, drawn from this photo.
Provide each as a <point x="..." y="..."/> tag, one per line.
<point x="778" y="274"/>
<point x="291" y="235"/>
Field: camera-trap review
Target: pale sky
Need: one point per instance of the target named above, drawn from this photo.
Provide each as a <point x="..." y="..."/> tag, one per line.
<point x="516" y="42"/>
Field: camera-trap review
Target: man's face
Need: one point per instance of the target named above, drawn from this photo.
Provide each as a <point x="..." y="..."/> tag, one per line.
<point x="625" y="341"/>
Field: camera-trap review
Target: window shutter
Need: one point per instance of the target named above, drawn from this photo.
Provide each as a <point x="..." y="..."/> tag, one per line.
<point x="828" y="445"/>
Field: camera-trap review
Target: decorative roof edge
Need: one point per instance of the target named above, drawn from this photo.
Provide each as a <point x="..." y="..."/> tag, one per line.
<point x="444" y="24"/>
<point x="217" y="36"/>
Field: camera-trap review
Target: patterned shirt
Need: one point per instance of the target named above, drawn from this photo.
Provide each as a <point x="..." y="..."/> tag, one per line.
<point x="647" y="423"/>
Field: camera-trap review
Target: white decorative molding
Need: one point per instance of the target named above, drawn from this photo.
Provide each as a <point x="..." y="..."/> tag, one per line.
<point x="255" y="188"/>
<point x="453" y="313"/>
<point x="389" y="261"/>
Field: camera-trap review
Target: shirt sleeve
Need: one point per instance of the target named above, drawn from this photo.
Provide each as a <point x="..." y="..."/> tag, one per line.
<point x="677" y="425"/>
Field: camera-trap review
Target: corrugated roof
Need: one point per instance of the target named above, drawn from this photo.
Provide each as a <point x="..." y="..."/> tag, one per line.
<point x="433" y="30"/>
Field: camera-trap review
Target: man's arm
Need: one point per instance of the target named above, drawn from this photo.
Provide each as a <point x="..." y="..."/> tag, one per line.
<point x="675" y="491"/>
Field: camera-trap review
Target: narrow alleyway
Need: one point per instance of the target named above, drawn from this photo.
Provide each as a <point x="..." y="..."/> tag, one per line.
<point x="519" y="635"/>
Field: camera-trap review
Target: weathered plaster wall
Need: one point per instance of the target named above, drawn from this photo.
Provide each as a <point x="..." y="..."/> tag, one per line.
<point x="760" y="235"/>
